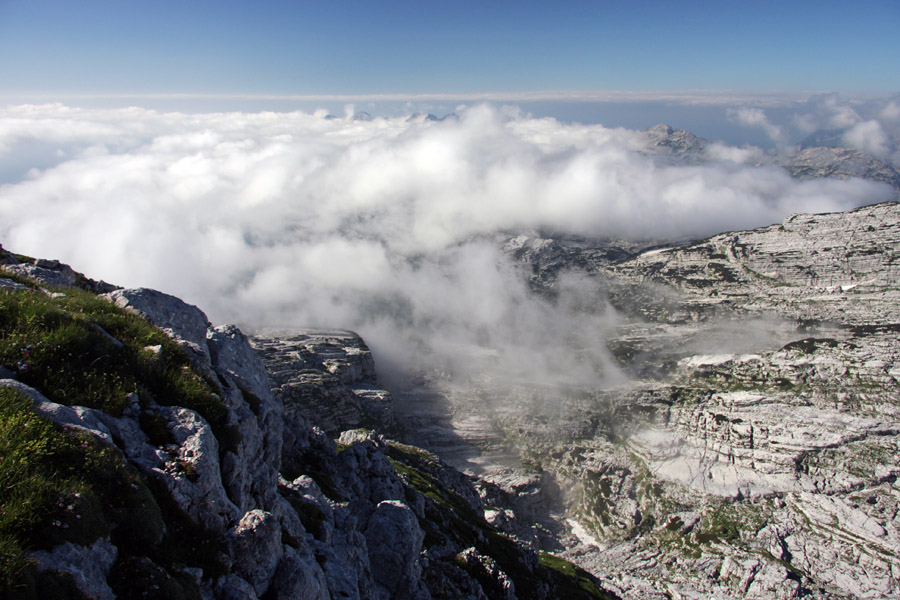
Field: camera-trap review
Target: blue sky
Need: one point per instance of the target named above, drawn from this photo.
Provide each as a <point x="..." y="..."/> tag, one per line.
<point x="351" y="47"/>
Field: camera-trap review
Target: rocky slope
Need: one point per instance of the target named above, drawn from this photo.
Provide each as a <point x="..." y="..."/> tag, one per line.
<point x="753" y="451"/>
<point x="668" y="141"/>
<point x="225" y="490"/>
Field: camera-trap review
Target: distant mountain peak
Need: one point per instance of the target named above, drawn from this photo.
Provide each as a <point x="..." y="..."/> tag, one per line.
<point x="666" y="139"/>
<point x="661" y="130"/>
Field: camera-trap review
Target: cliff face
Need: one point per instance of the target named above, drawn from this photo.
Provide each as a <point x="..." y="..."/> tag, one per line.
<point x="225" y="489"/>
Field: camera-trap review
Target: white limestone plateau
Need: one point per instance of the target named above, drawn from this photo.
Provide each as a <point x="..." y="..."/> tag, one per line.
<point x="755" y="452"/>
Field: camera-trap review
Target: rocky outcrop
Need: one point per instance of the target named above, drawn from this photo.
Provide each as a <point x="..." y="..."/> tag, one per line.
<point x="50" y="272"/>
<point x="668" y="141"/>
<point x="779" y="446"/>
<point x="328" y="378"/>
<point x="839" y="267"/>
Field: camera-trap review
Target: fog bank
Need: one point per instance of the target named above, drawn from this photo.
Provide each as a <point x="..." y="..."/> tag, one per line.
<point x="301" y="219"/>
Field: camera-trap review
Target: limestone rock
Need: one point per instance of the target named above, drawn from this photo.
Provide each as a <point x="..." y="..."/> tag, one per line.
<point x="501" y="586"/>
<point x="48" y="272"/>
<point x="667" y="140"/>
<point x="88" y="565"/>
<point x="184" y="322"/>
<point x="299" y="578"/>
<point x="753" y="452"/>
<point x="193" y="472"/>
<point x="255" y="545"/>
<point x="841" y="163"/>
<point x="327" y="378"/>
<point x="368" y="477"/>
<point x="395" y="540"/>
<point x="78" y="417"/>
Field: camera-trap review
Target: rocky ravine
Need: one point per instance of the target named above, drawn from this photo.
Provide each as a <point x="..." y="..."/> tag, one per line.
<point x="754" y="451"/>
<point x="251" y="501"/>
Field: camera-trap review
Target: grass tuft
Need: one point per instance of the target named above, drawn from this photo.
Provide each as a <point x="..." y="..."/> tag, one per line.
<point x="81" y="350"/>
<point x="63" y="485"/>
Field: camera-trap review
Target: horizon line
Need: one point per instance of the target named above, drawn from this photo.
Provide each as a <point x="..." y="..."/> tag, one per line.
<point x="694" y="96"/>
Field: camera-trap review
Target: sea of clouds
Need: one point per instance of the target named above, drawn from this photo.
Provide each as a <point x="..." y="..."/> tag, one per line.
<point x="302" y="219"/>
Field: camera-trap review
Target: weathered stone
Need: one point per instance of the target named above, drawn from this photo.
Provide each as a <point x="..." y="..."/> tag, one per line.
<point x="51" y="273"/>
<point x="256" y="547"/>
<point x="764" y="391"/>
<point x="184" y="322"/>
<point x="88" y="565"/>
<point x="394" y="540"/>
<point x="10" y="285"/>
<point x="76" y="417"/>
<point x="192" y="472"/>
<point x="840" y="163"/>
<point x="299" y="577"/>
<point x="327" y="378"/>
<point x="486" y="569"/>
<point x="368" y="477"/>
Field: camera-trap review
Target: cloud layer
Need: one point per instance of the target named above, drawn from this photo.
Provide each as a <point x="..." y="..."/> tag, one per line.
<point x="298" y="219"/>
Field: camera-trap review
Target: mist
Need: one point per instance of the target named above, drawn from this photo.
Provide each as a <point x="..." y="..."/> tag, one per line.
<point x="383" y="226"/>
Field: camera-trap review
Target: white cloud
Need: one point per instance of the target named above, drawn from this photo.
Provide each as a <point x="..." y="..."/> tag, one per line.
<point x="870" y="125"/>
<point x="891" y="111"/>
<point x="838" y="113"/>
<point x="869" y="137"/>
<point x="292" y="219"/>
<point x="756" y="117"/>
<point x="750" y="155"/>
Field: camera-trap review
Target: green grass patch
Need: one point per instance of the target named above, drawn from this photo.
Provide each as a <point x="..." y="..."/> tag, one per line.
<point x="576" y="582"/>
<point x="63" y="485"/>
<point x="58" y="486"/>
<point x="79" y="349"/>
<point x="728" y="522"/>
